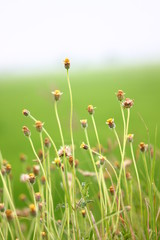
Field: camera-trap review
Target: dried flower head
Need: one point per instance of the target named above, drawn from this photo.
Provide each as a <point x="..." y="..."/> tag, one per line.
<point x="102" y="159"/>
<point x="36" y="170"/>
<point x="2" y="207"/>
<point x="67" y="63"/>
<point x="143" y="147"/>
<point x="47" y="143"/>
<point x="112" y="190"/>
<point x="32" y="208"/>
<point x="39" y="126"/>
<point x="25" y="112"/>
<point x="8" y="168"/>
<point x="130" y="137"/>
<point x="26" y="131"/>
<point x="90" y="109"/>
<point x="84" y="123"/>
<point x="23" y="157"/>
<point x="57" y="161"/>
<point x="37" y="196"/>
<point x="84" y="146"/>
<point x="57" y="94"/>
<point x="66" y="150"/>
<point x="83" y="212"/>
<point x="9" y="214"/>
<point x="128" y="176"/>
<point x="32" y="178"/>
<point x="22" y="197"/>
<point x="110" y="122"/>
<point x="120" y="95"/>
<point x="128" y="103"/>
<point x="24" y="177"/>
<point x="43" y="180"/>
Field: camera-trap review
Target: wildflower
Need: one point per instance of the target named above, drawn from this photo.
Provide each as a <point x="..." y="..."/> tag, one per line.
<point x="26" y="112"/>
<point x="2" y="207"/>
<point x="40" y="206"/>
<point x="47" y="143"/>
<point x="64" y="151"/>
<point x="22" y="197"/>
<point x="76" y="163"/>
<point x="39" y="126"/>
<point x="32" y="210"/>
<point x="3" y="171"/>
<point x="59" y="222"/>
<point x="37" y="196"/>
<point x="36" y="170"/>
<point x="102" y="159"/>
<point x="120" y="95"/>
<point x="24" y="177"/>
<point x="9" y="214"/>
<point x="128" y="103"/>
<point x="32" y="178"/>
<point x="110" y="122"/>
<point x="67" y="63"/>
<point x="83" y="212"/>
<point x="26" y="131"/>
<point x="40" y="154"/>
<point x="4" y="163"/>
<point x="130" y="138"/>
<point x="84" y="146"/>
<point x="84" y="123"/>
<point x="44" y="235"/>
<point x="90" y="109"/>
<point x="143" y="147"/>
<point x="28" y="169"/>
<point x="112" y="190"/>
<point x="43" y="180"/>
<point x="8" y="168"/>
<point x="23" y="157"/>
<point x="116" y="164"/>
<point x="62" y="167"/>
<point x="57" y="161"/>
<point x="128" y="176"/>
<point x="57" y="94"/>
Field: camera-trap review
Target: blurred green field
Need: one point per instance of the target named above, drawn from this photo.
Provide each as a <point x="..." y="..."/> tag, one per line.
<point x="98" y="88"/>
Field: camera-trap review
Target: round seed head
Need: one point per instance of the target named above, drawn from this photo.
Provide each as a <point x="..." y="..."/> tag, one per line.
<point x="39" y="126"/>
<point x="84" y="123"/>
<point x="26" y="131"/>
<point x="67" y="63"/>
<point x="90" y="109"/>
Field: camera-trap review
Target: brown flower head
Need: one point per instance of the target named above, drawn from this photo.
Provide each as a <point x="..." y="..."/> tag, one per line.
<point x="25" y="112"/>
<point x="26" y="131"/>
<point x="143" y="147"/>
<point x="84" y="123"/>
<point x="39" y="126"/>
<point x="57" y="94"/>
<point x="37" y="196"/>
<point x="128" y="176"/>
<point x="8" y="168"/>
<point x="9" y="214"/>
<point x="23" y="157"/>
<point x="43" y="180"/>
<point x="120" y="95"/>
<point x="128" y="103"/>
<point x="32" y="178"/>
<point x="47" y="143"/>
<point x="36" y="170"/>
<point x="90" y="109"/>
<point x="112" y="190"/>
<point x="110" y="122"/>
<point x="67" y="63"/>
<point x="71" y="160"/>
<point x="84" y="146"/>
<point x="102" y="159"/>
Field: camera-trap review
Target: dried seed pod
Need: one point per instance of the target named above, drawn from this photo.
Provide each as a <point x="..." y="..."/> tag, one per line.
<point x="26" y="131"/>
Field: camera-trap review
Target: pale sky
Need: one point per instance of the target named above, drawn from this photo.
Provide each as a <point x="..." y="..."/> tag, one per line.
<point x="41" y="33"/>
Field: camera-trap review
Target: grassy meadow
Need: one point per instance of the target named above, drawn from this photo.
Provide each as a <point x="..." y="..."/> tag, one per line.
<point x="98" y="88"/>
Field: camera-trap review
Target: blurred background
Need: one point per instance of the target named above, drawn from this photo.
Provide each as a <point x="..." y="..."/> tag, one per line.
<point x="111" y="45"/>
